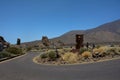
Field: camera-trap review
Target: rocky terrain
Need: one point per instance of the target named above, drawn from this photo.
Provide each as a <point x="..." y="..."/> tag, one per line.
<point x="3" y="43"/>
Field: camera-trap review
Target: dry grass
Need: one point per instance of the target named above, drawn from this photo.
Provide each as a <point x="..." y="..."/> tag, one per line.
<point x="61" y="51"/>
<point x="70" y="57"/>
<point x="114" y="50"/>
<point x="103" y="51"/>
<point x="66" y="49"/>
<point x="100" y="50"/>
<point x="86" y="54"/>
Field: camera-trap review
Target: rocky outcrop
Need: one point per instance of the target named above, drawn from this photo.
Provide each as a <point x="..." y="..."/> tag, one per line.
<point x="3" y="43"/>
<point x="45" y="41"/>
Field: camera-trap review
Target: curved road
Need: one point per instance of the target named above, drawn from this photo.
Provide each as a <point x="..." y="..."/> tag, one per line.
<point x="24" y="69"/>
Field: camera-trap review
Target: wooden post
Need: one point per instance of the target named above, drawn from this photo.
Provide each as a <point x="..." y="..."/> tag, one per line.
<point x="79" y="41"/>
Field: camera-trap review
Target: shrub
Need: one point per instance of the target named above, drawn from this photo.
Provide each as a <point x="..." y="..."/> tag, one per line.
<point x="82" y="50"/>
<point x="44" y="55"/>
<point x="119" y="51"/>
<point x="98" y="46"/>
<point x="103" y="54"/>
<point x="70" y="57"/>
<point x="114" y="51"/>
<point x="52" y="55"/>
<point x="86" y="54"/>
<point x="4" y="54"/>
<point x="28" y="48"/>
<point x="66" y="49"/>
<point x="103" y="51"/>
<point x="99" y="50"/>
<point x="14" y="50"/>
<point x="61" y="51"/>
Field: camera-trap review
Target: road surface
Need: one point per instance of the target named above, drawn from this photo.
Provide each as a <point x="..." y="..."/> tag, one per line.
<point x="23" y="68"/>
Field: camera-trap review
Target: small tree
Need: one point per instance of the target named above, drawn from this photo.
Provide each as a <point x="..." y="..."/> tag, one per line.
<point x="18" y="41"/>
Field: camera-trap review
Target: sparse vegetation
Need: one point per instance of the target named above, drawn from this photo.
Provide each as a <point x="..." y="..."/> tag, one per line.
<point x="82" y="50"/>
<point x="43" y="56"/>
<point x="86" y="54"/>
<point x="52" y="55"/>
<point x="10" y="52"/>
<point x="70" y="57"/>
<point x="28" y="48"/>
<point x="14" y="50"/>
<point x="66" y="56"/>
<point x="4" y="54"/>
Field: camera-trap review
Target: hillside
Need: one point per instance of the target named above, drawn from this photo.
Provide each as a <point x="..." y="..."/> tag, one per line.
<point x="109" y="32"/>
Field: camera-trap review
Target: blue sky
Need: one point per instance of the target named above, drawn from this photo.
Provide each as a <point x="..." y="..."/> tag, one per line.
<point x="32" y="19"/>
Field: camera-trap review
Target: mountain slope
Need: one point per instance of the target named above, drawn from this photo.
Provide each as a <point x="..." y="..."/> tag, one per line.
<point x="109" y="32"/>
<point x="69" y="37"/>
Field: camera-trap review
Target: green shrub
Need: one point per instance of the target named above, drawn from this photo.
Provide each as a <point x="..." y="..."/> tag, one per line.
<point x="82" y="50"/>
<point x="28" y="48"/>
<point x="52" y="55"/>
<point x="14" y="50"/>
<point x="4" y="54"/>
<point x="44" y="55"/>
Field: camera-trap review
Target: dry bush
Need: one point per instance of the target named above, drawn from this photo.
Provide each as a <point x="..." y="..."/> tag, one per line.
<point x="86" y="54"/>
<point x="61" y="52"/>
<point x="103" y="51"/>
<point x="100" y="50"/>
<point x="70" y="57"/>
<point x="118" y="50"/>
<point x="114" y="51"/>
<point x="66" y="49"/>
<point x="49" y="50"/>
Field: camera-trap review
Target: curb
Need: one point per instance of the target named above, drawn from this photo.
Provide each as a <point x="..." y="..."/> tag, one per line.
<point x="9" y="59"/>
<point x="34" y="60"/>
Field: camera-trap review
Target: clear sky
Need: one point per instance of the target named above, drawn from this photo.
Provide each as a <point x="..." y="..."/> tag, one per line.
<point x="32" y="19"/>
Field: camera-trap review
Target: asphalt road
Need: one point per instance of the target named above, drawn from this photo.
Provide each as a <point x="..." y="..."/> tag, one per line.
<point x="24" y="69"/>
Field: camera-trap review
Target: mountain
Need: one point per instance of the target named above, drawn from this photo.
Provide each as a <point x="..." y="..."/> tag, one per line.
<point x="109" y="32"/>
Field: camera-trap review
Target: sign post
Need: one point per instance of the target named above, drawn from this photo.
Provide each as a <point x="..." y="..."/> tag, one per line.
<point x="79" y="41"/>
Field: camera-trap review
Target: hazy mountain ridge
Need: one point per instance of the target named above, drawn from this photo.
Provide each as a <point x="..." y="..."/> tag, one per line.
<point x="109" y="32"/>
